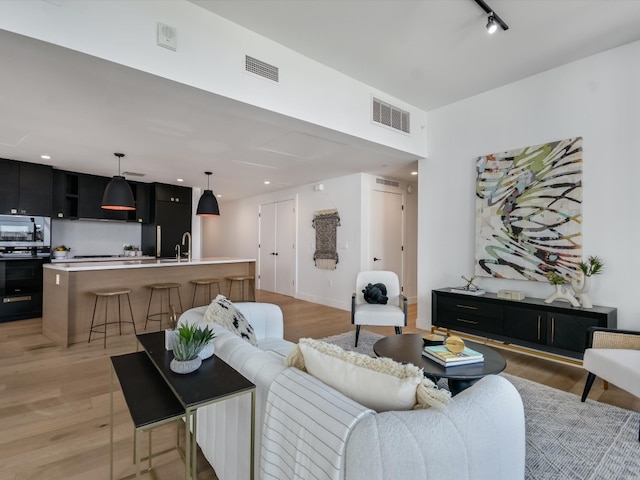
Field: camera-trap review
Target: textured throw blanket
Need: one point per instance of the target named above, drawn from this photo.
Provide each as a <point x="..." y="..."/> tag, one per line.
<point x="306" y="429"/>
<point x="326" y="223"/>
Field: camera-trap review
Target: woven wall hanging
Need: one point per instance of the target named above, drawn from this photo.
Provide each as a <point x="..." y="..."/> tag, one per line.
<point x="326" y="223"/>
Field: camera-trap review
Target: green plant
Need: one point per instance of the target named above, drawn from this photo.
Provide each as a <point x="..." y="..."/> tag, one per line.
<point x="555" y="279"/>
<point x="62" y="248"/>
<point x="593" y="266"/>
<point x="190" y="340"/>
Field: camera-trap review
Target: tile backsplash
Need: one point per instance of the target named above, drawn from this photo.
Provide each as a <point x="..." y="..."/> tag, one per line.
<point x="89" y="237"/>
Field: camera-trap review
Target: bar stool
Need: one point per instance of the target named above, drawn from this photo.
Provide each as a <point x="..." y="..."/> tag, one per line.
<point x="204" y="282"/>
<point x="164" y="289"/>
<point x="242" y="279"/>
<point x="105" y="295"/>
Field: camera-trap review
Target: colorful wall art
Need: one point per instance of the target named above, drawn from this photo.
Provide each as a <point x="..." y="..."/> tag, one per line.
<point x="529" y="211"/>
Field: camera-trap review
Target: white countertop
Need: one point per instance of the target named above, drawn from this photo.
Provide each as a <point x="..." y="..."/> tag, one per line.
<point x="134" y="262"/>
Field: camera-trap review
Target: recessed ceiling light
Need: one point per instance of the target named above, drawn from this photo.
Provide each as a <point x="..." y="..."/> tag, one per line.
<point x="45" y="157"/>
<point x="414" y="173"/>
<point x="267" y="182"/>
<point x="219" y="196"/>
<point x="180" y="179"/>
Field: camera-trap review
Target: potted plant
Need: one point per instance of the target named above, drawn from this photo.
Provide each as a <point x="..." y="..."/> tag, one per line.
<point x="593" y="266"/>
<point x="562" y="292"/>
<point x="188" y="343"/>
<point x="61" y="251"/>
<point x="555" y="278"/>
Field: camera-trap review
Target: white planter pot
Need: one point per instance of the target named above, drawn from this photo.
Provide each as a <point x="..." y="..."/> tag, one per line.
<point x="187" y="366"/>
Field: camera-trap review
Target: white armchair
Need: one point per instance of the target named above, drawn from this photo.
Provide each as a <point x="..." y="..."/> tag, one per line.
<point x="394" y="313"/>
<point x="614" y="356"/>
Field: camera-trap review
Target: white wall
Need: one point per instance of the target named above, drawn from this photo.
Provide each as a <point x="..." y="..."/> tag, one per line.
<point x="210" y="56"/>
<point x="235" y="233"/>
<point x="597" y="98"/>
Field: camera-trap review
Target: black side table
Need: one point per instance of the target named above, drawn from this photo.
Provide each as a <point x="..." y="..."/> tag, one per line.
<point x="150" y="400"/>
<point x="213" y="382"/>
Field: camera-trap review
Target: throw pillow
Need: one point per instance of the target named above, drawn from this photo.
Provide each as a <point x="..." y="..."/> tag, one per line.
<point x="375" y="293"/>
<point x="224" y="313"/>
<point x="377" y="383"/>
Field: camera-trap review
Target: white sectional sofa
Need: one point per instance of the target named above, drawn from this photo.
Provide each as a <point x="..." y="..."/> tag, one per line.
<point x="480" y="435"/>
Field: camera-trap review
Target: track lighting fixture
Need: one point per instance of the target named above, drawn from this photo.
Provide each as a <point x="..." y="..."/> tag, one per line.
<point x="493" y="20"/>
<point x="492" y="26"/>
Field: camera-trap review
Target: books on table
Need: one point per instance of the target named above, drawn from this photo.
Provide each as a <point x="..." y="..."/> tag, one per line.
<point x="441" y="355"/>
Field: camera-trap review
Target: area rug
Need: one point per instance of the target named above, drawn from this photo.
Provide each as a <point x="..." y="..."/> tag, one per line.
<point x="565" y="438"/>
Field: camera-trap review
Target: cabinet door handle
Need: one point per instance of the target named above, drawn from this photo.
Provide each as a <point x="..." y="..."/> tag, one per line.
<point x="469" y="307"/>
<point x="539" y="320"/>
<point x="553" y="329"/>
<point x="467" y="321"/>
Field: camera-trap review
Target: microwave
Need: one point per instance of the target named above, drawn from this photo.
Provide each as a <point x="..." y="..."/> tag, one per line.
<point x="19" y="231"/>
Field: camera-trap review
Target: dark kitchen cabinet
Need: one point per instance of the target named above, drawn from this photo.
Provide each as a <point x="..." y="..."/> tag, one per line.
<point x="26" y="188"/>
<point x="65" y="194"/>
<point x="79" y="195"/>
<point x="169" y="217"/>
<point x="550" y="327"/>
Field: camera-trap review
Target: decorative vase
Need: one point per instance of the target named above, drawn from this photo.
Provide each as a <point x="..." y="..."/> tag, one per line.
<point x="206" y="351"/>
<point x="562" y="293"/>
<point x="581" y="288"/>
<point x="185" y="366"/>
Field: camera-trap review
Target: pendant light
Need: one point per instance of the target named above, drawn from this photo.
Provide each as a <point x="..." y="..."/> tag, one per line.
<point x="208" y="205"/>
<point x="118" y="194"/>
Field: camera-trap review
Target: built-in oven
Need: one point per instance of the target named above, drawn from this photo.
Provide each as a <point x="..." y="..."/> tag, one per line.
<point x="21" y="288"/>
<point x="25" y="246"/>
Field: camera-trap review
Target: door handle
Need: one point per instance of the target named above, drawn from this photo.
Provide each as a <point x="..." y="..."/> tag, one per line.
<point x="376" y="259"/>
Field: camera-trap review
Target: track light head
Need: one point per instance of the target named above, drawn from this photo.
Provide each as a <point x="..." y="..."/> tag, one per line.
<point x="492" y="25"/>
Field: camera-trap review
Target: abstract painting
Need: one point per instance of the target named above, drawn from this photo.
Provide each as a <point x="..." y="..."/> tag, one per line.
<point x="529" y="211"/>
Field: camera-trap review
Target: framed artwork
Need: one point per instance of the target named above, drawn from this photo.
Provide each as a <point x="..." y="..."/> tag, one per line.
<point x="529" y="211"/>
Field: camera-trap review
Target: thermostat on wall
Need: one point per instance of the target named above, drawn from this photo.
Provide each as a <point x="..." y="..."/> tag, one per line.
<point x="511" y="294"/>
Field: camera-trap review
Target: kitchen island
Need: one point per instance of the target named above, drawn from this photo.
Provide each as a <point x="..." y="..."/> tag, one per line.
<point x="68" y="300"/>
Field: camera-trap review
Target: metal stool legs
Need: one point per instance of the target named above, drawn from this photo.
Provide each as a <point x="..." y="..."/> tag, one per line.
<point x="102" y="328"/>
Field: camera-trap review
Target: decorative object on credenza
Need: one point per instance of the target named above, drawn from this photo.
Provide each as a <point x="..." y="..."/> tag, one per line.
<point x="470" y="288"/>
<point x="529" y="211"/>
<point x="326" y="223"/>
<point x="188" y="343"/>
<point x="511" y="294"/>
<point x="562" y="292"/>
<point x="593" y="266"/>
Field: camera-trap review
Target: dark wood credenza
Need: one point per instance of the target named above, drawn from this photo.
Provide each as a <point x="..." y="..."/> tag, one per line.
<point x="557" y="327"/>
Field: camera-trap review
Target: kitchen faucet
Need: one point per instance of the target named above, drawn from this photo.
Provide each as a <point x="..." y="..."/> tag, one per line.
<point x="184" y="236"/>
<point x="177" y="251"/>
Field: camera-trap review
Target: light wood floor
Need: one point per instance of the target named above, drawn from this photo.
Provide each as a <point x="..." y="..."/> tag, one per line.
<point x="55" y="403"/>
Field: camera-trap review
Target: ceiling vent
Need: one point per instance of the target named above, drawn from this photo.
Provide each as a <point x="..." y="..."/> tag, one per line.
<point x="389" y="183"/>
<point x="133" y="174"/>
<point x="261" y="69"/>
<point x="394" y="117"/>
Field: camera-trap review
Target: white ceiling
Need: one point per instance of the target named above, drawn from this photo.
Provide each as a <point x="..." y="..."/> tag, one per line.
<point x="429" y="53"/>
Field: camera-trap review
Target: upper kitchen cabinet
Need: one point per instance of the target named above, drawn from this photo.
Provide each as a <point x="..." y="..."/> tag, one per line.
<point x="26" y="188"/>
<point x="79" y="195"/>
<point x="172" y="193"/>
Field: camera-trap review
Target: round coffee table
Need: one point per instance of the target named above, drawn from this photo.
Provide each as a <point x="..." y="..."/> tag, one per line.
<point x="408" y="348"/>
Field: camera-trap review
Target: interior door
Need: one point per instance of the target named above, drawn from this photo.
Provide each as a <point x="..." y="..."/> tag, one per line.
<point x="277" y="247"/>
<point x="285" y="247"/>
<point x="386" y="232"/>
<point x="268" y="247"/>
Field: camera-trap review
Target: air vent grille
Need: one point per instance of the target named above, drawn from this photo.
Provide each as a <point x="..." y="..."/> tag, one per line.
<point x="261" y="69"/>
<point x="394" y="117"/>
<point x="133" y="174"/>
<point x="389" y="183"/>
